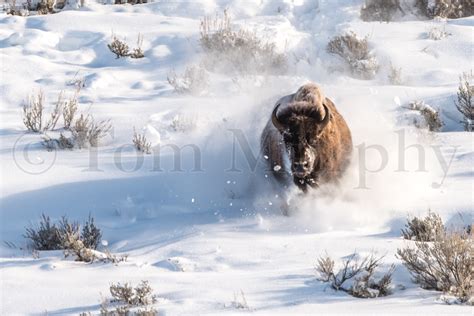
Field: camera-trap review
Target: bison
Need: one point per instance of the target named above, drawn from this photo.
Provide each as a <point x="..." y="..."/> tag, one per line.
<point x="306" y="138"/>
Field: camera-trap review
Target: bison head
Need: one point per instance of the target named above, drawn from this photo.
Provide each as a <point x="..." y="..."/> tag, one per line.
<point x="301" y="124"/>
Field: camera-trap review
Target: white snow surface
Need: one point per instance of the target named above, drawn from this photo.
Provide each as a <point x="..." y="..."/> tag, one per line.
<point x="201" y="236"/>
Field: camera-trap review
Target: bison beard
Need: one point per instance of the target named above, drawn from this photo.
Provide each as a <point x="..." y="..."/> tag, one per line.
<point x="307" y="130"/>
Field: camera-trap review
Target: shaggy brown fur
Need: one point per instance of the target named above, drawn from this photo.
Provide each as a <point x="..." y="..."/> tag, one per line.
<point x="319" y="150"/>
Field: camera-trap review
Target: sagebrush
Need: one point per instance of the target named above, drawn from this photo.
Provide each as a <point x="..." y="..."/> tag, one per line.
<point x="86" y="131"/>
<point x="356" y="53"/>
<point x="359" y="278"/>
<point x="194" y="81"/>
<point x="465" y="100"/>
<point x="380" y="10"/>
<point x="239" y="301"/>
<point x="238" y="51"/>
<point x="34" y="116"/>
<point x="55" y="236"/>
<point x="452" y="9"/>
<point x="430" y="118"/>
<point x="69" y="108"/>
<point x="395" y="75"/>
<point x="444" y="264"/>
<point x="429" y="228"/>
<point x="121" y="49"/>
<point x="130" y="300"/>
<point x="141" y="143"/>
<point x="437" y="33"/>
<point x="45" y="236"/>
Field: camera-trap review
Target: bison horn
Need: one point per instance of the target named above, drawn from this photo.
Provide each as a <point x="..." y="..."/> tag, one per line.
<point x="275" y="120"/>
<point x="326" y="118"/>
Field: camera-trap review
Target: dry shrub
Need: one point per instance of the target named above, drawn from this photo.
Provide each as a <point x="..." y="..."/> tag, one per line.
<point x="125" y="298"/>
<point x="73" y="246"/>
<point x="355" y="52"/>
<point x="67" y="236"/>
<point x="87" y="132"/>
<point x="33" y="113"/>
<point x="444" y="264"/>
<point x="465" y="103"/>
<point x="452" y="9"/>
<point x="429" y="228"/>
<point x="436" y="33"/>
<point x="91" y="235"/>
<point x="132" y="2"/>
<point x="241" y="51"/>
<point x="121" y="49"/>
<point x="56" y="236"/>
<point x="395" y="75"/>
<point x="240" y="302"/>
<point x="379" y="10"/>
<point x="430" y="117"/>
<point x="194" y="81"/>
<point x="182" y="123"/>
<point x="62" y="142"/>
<point x="45" y="7"/>
<point x="118" y="47"/>
<point x="141" y="143"/>
<point x="137" y="51"/>
<point x="14" y="9"/>
<point x="45" y="236"/>
<point x="70" y="109"/>
<point x="361" y="274"/>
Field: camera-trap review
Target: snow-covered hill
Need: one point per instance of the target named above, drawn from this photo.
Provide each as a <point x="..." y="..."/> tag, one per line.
<point x="215" y="228"/>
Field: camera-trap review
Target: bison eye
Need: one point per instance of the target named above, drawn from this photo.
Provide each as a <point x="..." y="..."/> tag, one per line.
<point x="305" y="163"/>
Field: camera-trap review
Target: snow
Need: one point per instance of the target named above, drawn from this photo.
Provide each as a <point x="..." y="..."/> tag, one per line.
<point x="203" y="230"/>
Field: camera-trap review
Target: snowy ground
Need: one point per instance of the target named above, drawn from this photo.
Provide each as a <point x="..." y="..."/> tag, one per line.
<point x="201" y="236"/>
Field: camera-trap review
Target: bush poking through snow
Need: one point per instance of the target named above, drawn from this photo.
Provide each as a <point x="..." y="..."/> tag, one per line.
<point x="70" y="109"/>
<point x="33" y="113"/>
<point x="45" y="236"/>
<point x="429" y="228"/>
<point x="360" y="273"/>
<point x="118" y="47"/>
<point x="137" y="51"/>
<point x="73" y="246"/>
<point x="240" y="302"/>
<point x="379" y="10"/>
<point x="431" y="118"/>
<point x="355" y="52"/>
<point x="395" y="76"/>
<point x="121" y="49"/>
<point x="194" y="81"/>
<point x="141" y="143"/>
<point x="45" y="7"/>
<point x="13" y="9"/>
<point x="241" y="52"/>
<point x="88" y="132"/>
<point x="91" y="235"/>
<point x="55" y="236"/>
<point x="465" y="102"/>
<point x="127" y="298"/>
<point x="182" y="123"/>
<point x="435" y="33"/>
<point x="62" y="142"/>
<point x="444" y="264"/>
<point x="67" y="236"/>
<point x="452" y="9"/>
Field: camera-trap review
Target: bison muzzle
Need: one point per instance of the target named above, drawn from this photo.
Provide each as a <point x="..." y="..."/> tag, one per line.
<point x="306" y="138"/>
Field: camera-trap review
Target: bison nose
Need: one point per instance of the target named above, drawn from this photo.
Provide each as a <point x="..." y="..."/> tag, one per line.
<point x="299" y="169"/>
